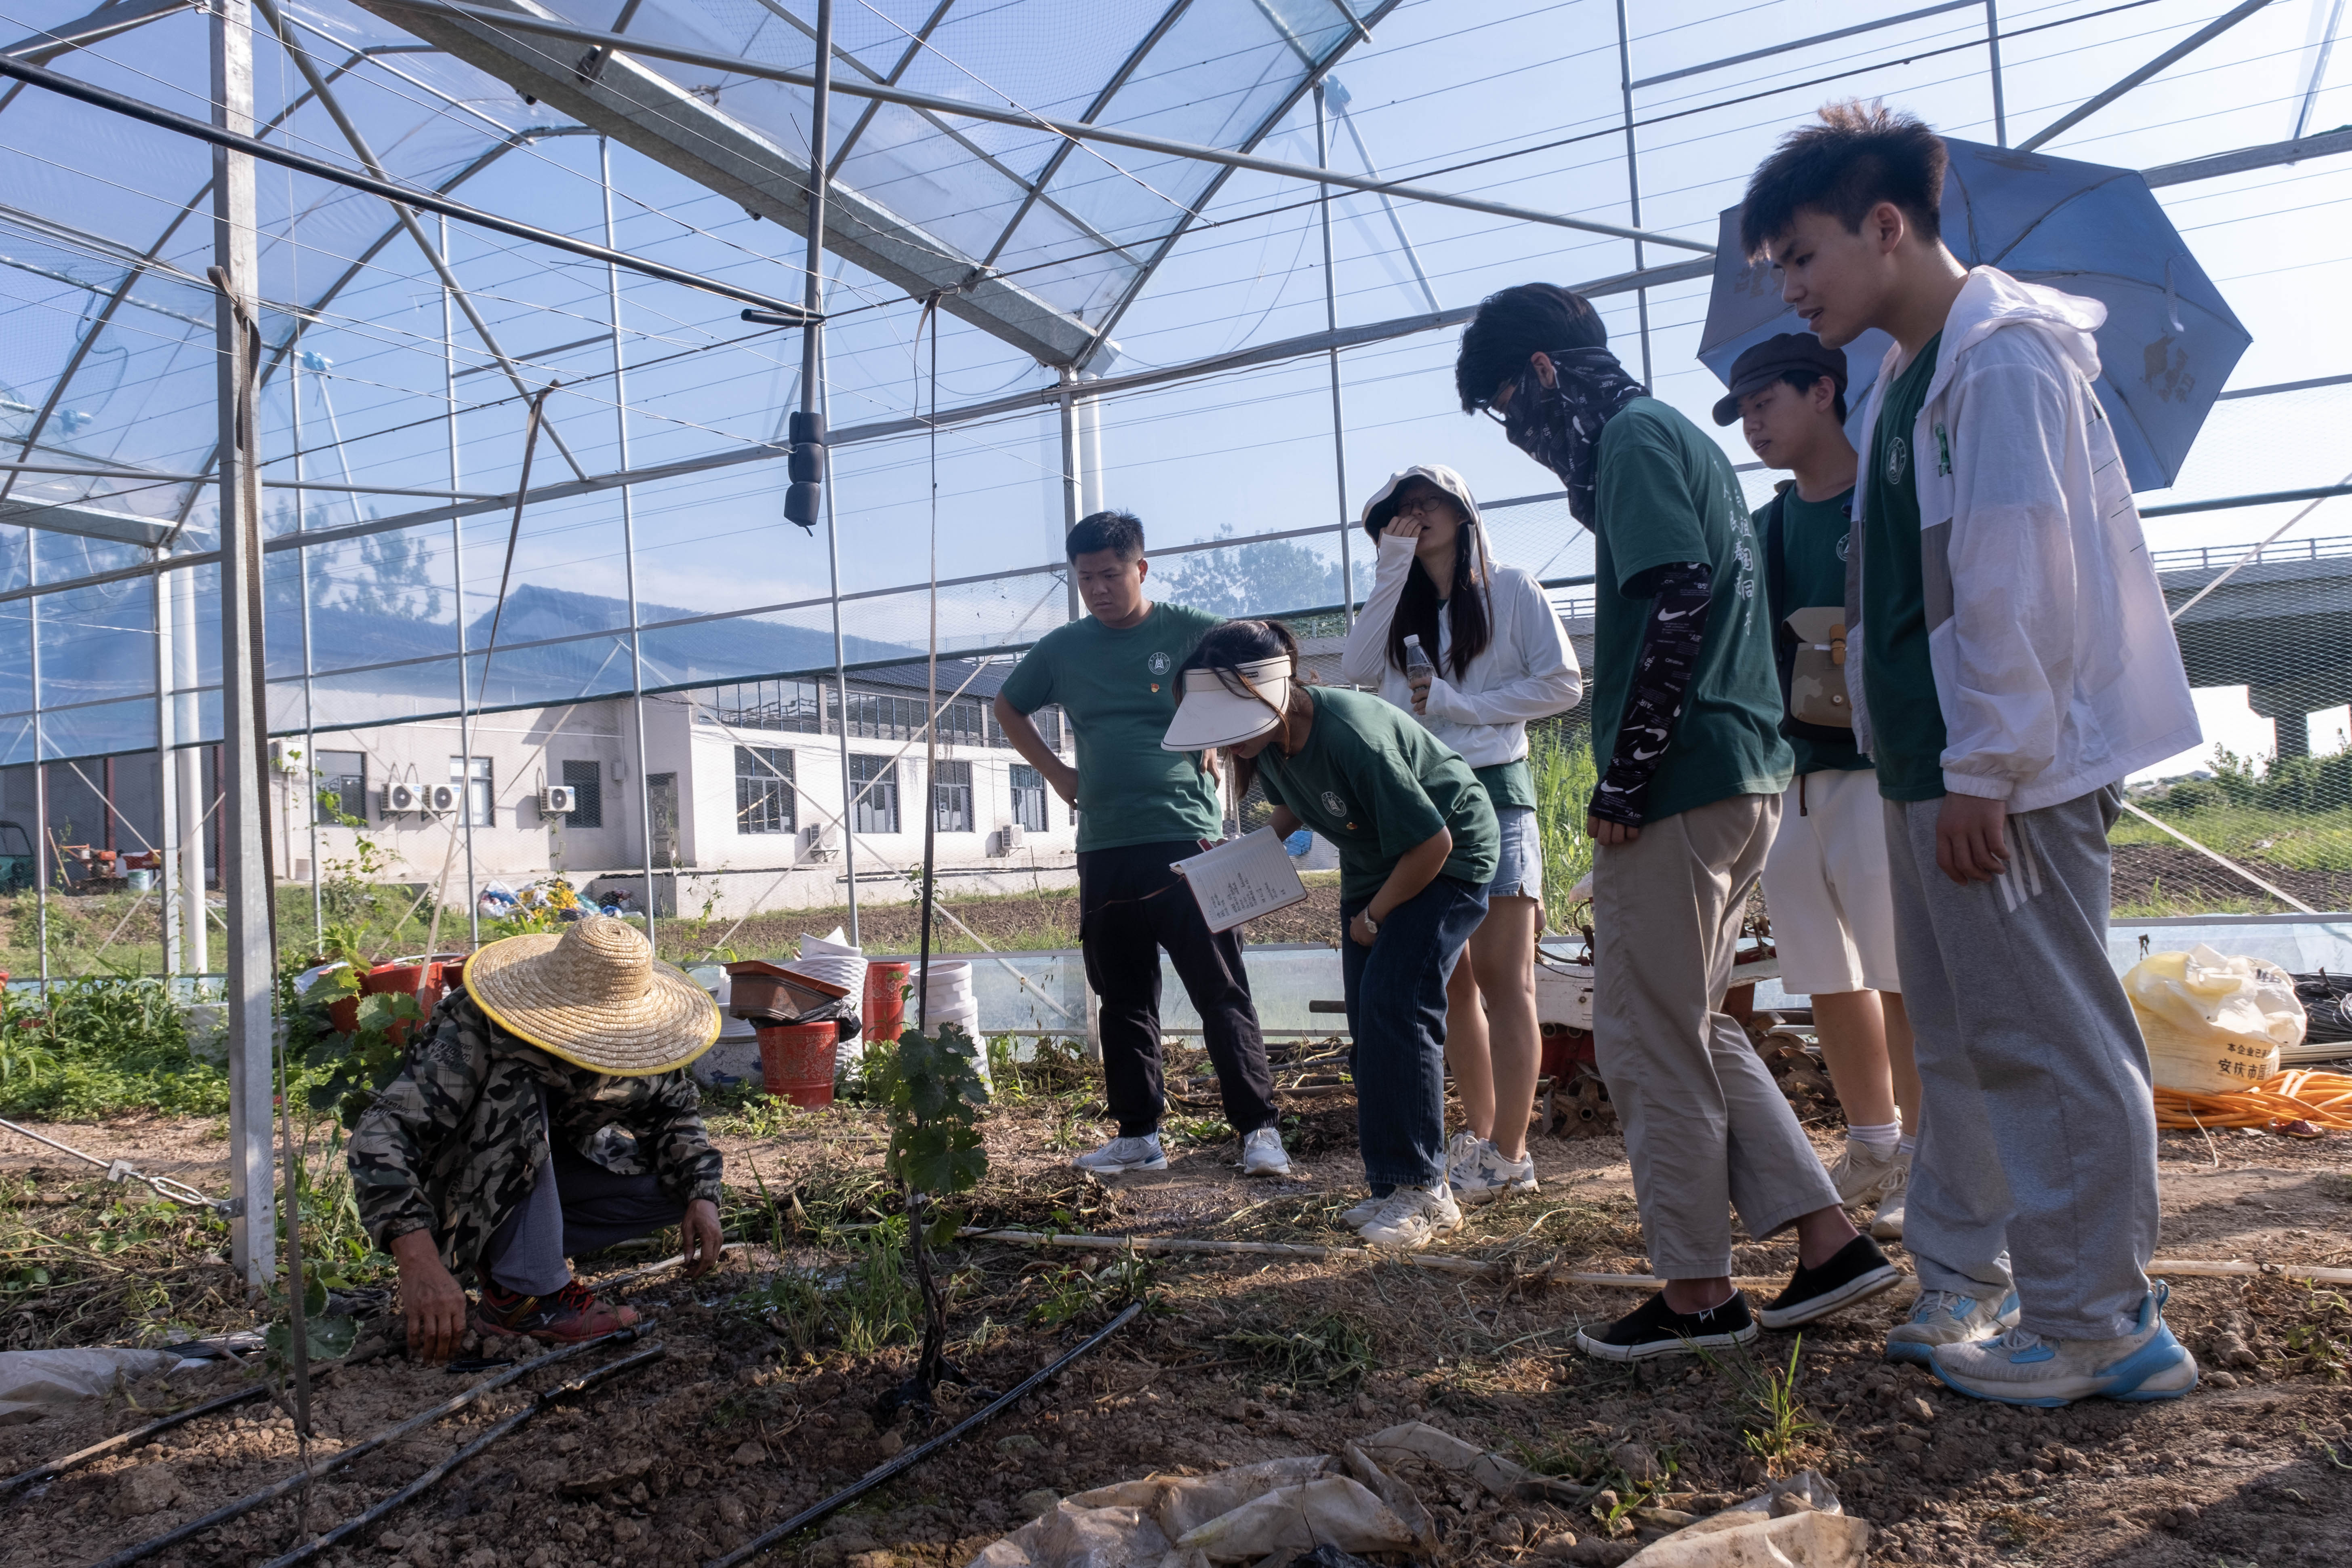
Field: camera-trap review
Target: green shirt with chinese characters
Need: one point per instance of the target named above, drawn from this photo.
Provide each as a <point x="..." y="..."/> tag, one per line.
<point x="1376" y="784"/>
<point x="1119" y="687"/>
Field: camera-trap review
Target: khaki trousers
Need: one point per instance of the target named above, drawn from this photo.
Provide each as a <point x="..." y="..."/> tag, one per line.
<point x="1706" y="1127"/>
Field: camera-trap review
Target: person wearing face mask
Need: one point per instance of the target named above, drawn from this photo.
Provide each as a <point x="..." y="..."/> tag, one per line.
<point x="1417" y="845"/>
<point x="1498" y="657"/>
<point x="1687" y="732"/>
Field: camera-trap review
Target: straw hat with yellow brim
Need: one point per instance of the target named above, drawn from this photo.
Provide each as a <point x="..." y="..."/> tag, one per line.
<point x="1216" y="709"/>
<point x="596" y="997"/>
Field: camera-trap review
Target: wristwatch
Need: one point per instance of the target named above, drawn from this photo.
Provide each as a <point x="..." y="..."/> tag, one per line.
<point x="1371" y="924"/>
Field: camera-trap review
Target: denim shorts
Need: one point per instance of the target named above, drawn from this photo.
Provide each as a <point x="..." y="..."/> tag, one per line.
<point x="1520" y="871"/>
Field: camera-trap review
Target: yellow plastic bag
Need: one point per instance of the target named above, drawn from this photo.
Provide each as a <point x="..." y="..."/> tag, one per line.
<point x="2213" y="1024"/>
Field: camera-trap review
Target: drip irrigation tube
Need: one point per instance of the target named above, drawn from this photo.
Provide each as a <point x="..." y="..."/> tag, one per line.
<point x="432" y="1478"/>
<point x="131" y="1439"/>
<point x="917" y="1454"/>
<point x="326" y="1467"/>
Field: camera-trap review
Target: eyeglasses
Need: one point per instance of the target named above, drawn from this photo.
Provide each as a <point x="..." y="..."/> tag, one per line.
<point x="1435" y="501"/>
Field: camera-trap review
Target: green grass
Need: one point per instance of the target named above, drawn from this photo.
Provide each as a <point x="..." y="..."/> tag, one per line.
<point x="1561" y="761"/>
<point x="2300" y="841"/>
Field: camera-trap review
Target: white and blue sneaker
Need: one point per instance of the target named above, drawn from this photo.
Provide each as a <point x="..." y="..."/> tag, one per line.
<point x="2022" y="1368"/>
<point x="1121" y="1154"/>
<point x="1948" y="1318"/>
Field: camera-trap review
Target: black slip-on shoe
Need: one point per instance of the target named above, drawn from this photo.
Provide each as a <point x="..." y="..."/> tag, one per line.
<point x="1856" y="1273"/>
<point x="1655" y="1329"/>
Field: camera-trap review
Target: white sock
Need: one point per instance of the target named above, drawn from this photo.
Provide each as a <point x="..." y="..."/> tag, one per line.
<point x="1907" y="1144"/>
<point x="1881" y="1139"/>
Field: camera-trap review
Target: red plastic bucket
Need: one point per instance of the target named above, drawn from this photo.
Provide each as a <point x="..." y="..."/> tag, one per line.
<point x="796" y="1061"/>
<point x="886" y="998"/>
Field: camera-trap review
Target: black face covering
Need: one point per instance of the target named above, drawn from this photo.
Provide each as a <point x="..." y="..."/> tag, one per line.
<point x="1559" y="426"/>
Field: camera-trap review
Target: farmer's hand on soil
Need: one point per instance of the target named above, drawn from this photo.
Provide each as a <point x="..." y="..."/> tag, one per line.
<point x="429" y="1298"/>
<point x="698" y="1232"/>
<point x="1064" y="778"/>
<point x="1971" y="839"/>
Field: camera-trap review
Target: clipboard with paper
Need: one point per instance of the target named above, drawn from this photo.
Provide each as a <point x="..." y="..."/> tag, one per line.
<point x="1242" y="878"/>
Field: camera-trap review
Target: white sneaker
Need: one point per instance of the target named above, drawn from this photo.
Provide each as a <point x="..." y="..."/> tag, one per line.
<point x="2023" y="1368"/>
<point x="1262" y="1155"/>
<point x="1862" y="1171"/>
<point x="1356" y="1218"/>
<point x="1947" y="1318"/>
<point x="1414" y="1217"/>
<point x="1886" y="1224"/>
<point x="1120" y="1154"/>
<point x="1486" y="1176"/>
<point x="1460" y="1149"/>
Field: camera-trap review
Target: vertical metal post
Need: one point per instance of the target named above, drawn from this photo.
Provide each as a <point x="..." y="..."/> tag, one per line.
<point x="1993" y="43"/>
<point x="40" y="768"/>
<point x="195" y="935"/>
<point x="457" y="587"/>
<point x="1634" y="182"/>
<point x="817" y="398"/>
<point x="840" y="668"/>
<point x="1073" y="499"/>
<point x="167" y="802"/>
<point x="245" y="861"/>
<point x="309" y="792"/>
<point x="1338" y="420"/>
<point x="628" y="533"/>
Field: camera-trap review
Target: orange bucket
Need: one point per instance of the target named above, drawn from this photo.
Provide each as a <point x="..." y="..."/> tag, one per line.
<point x="886" y="998"/>
<point x="796" y="1061"/>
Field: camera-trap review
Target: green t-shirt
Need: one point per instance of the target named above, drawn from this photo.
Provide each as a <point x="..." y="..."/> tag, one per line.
<point x="1813" y="547"/>
<point x="1118" y="690"/>
<point x="1375" y="783"/>
<point x="1509" y="785"/>
<point x="1666" y="494"/>
<point x="1898" y="681"/>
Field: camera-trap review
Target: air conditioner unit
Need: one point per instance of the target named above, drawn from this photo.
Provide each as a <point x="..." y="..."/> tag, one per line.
<point x="441" y="799"/>
<point x="400" y="797"/>
<point x="558" y="800"/>
<point x="817" y="842"/>
<point x="1006" y="839"/>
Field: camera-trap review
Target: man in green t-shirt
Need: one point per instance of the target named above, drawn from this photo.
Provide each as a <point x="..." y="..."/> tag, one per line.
<point x="2018" y="665"/>
<point x="1826" y="878"/>
<point x="1686" y="733"/>
<point x="1140" y="809"/>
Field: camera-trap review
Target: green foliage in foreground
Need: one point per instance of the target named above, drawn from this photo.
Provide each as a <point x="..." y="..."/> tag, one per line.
<point x="98" y="1047"/>
<point x="1560" y="758"/>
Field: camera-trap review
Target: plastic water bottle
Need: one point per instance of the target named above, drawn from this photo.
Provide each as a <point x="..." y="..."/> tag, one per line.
<point x="1417" y="668"/>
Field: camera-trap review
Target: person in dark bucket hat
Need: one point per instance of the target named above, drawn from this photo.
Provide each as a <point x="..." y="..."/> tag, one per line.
<point x="1773" y="358"/>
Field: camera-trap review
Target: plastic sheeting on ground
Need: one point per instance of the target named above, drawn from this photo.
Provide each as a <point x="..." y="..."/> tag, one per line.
<point x="34" y="1384"/>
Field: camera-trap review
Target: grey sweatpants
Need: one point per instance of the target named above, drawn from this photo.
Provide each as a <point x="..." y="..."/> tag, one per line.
<point x="1706" y="1130"/>
<point x="2036" y="1165"/>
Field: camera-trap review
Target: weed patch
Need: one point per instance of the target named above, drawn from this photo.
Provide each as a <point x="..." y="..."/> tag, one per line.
<point x="1333" y="1349"/>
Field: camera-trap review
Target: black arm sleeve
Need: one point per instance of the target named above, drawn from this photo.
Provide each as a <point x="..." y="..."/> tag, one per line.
<point x="1679" y="598"/>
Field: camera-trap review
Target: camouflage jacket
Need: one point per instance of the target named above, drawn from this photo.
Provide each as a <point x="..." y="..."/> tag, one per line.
<point x="454" y="1144"/>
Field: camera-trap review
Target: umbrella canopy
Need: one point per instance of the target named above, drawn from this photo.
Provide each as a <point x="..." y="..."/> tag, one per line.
<point x="2171" y="340"/>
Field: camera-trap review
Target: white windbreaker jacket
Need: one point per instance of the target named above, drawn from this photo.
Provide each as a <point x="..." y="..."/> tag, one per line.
<point x="1528" y="670"/>
<point x="2054" y="659"/>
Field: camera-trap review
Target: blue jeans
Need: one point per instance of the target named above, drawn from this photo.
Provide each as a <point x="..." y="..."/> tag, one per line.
<point x="1396" y="1015"/>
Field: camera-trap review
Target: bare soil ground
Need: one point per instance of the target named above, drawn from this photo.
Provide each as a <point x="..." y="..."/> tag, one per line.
<point x="2177" y="879"/>
<point x="1244" y="1358"/>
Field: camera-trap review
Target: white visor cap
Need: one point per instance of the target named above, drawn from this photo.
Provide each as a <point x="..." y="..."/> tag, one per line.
<point x="1208" y="715"/>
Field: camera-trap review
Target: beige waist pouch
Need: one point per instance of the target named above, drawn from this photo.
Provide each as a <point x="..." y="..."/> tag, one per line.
<point x="1817" y="693"/>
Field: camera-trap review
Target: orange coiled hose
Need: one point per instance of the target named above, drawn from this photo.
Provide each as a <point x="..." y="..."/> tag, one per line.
<point x="2321" y="1098"/>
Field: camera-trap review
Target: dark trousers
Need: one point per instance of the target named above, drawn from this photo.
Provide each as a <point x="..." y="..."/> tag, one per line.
<point x="1396" y="1015"/>
<point x="1129" y="906"/>
<point x="575" y="1206"/>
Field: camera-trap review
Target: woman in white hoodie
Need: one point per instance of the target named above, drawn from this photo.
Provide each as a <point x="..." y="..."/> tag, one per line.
<point x="1499" y="658"/>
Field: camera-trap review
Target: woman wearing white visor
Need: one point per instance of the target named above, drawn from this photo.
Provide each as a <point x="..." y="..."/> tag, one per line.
<point x="1496" y="657"/>
<point x="1417" y="845"/>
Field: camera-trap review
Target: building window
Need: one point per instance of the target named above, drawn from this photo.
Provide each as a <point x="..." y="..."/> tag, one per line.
<point x="878" y="809"/>
<point x="1029" y="797"/>
<point x="951" y="797"/>
<point x="480" y="805"/>
<point x="764" y="802"/>
<point x="792" y="705"/>
<point x="342" y="787"/>
<point x="586" y="783"/>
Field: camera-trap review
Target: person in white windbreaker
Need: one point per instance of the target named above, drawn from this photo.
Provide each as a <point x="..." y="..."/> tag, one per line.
<point x="2016" y="666"/>
<point x="1499" y="658"/>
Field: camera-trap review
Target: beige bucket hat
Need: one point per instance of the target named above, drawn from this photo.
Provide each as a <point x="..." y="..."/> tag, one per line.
<point x="595" y="995"/>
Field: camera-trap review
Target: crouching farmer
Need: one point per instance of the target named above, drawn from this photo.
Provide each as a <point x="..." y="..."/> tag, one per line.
<point x="544" y="1112"/>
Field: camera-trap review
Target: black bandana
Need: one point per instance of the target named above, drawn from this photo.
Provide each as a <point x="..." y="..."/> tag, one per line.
<point x="1559" y="426"/>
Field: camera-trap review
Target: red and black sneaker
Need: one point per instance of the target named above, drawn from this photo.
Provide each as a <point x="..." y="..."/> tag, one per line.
<point x="572" y="1314"/>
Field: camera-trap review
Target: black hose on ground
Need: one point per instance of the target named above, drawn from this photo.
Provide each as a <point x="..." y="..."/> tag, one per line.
<point x="334" y="1462"/>
<point x="123" y="1440"/>
<point x="539" y="1404"/>
<point x="917" y="1454"/>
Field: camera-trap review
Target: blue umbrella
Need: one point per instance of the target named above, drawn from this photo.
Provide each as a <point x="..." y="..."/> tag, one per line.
<point x="2171" y="340"/>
